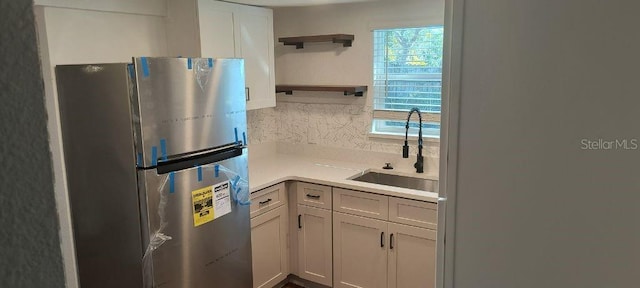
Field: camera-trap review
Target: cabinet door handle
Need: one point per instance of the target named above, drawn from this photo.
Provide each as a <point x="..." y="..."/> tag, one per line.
<point x="313" y="196"/>
<point x="382" y="239"/>
<point x="265" y="201"/>
<point x="248" y="92"/>
<point x="391" y="241"/>
<point x="299" y="221"/>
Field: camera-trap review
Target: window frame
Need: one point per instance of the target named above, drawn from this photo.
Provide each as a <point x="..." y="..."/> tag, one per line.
<point x="392" y="132"/>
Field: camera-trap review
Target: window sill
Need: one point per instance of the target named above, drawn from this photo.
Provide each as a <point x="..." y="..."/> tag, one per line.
<point x="374" y="135"/>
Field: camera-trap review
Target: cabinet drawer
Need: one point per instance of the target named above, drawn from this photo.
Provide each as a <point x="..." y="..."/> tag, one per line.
<point x="267" y="199"/>
<point x="412" y="212"/>
<point x="361" y="203"/>
<point x="314" y="195"/>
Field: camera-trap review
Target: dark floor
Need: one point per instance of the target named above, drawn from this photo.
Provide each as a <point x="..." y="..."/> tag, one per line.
<point x="291" y="285"/>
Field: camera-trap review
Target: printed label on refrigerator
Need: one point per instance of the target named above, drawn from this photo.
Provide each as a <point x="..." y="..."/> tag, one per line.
<point x="202" y="200"/>
<point x="222" y="193"/>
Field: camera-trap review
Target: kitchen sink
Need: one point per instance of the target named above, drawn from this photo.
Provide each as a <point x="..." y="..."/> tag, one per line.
<point x="398" y="181"/>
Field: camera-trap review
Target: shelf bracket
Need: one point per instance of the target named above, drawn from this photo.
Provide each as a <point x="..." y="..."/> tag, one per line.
<point x="345" y="43"/>
<point x="357" y="93"/>
<point x="299" y="45"/>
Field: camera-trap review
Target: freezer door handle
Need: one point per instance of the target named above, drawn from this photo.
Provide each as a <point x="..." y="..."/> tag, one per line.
<point x="199" y="158"/>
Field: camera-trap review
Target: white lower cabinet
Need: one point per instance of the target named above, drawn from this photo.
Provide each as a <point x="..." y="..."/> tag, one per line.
<point x="371" y="253"/>
<point x="314" y="244"/>
<point x="269" y="236"/>
<point x="412" y="254"/>
<point x="359" y="251"/>
<point x="269" y="248"/>
<point x="341" y="238"/>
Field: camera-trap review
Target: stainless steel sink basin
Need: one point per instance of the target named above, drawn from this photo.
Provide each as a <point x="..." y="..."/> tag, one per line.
<point x="398" y="181"/>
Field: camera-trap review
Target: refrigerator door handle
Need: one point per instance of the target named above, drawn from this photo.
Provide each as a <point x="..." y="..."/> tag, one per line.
<point x="199" y="158"/>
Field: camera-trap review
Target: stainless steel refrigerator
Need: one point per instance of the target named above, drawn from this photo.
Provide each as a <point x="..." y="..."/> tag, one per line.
<point x="156" y="167"/>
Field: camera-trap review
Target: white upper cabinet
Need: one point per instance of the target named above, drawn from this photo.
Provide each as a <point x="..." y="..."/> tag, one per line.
<point x="215" y="29"/>
<point x="256" y="47"/>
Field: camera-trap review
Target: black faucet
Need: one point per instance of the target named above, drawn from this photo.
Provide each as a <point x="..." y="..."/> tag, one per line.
<point x="405" y="149"/>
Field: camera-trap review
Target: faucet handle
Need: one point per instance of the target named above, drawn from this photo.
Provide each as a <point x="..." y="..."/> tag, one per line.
<point x="405" y="150"/>
<point x="387" y="166"/>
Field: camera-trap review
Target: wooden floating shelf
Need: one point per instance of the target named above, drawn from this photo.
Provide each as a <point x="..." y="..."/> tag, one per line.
<point x="344" y="39"/>
<point x="357" y="91"/>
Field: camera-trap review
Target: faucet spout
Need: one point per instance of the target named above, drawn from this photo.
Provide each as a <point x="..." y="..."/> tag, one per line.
<point x="419" y="165"/>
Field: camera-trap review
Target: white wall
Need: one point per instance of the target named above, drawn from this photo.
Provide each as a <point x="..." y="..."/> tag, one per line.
<point x="72" y="36"/>
<point x="534" y="209"/>
<point x="331" y="119"/>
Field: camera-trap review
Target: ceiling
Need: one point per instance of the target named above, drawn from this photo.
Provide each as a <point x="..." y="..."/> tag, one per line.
<point x="285" y="3"/>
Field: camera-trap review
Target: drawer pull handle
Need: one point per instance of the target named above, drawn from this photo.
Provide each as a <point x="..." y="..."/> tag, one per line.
<point x="382" y="239"/>
<point x="265" y="201"/>
<point x="313" y="196"/>
<point x="391" y="241"/>
<point x="299" y="221"/>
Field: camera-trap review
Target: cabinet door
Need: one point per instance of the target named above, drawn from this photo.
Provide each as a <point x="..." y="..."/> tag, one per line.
<point x="359" y="251"/>
<point x="269" y="247"/>
<point x="412" y="256"/>
<point x="256" y="47"/>
<point x="217" y="30"/>
<point x="314" y="245"/>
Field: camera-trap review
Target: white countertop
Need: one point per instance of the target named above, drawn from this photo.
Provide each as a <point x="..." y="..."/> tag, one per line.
<point x="267" y="169"/>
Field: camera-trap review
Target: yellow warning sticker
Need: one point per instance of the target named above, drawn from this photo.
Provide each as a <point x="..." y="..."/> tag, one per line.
<point x="202" y="200"/>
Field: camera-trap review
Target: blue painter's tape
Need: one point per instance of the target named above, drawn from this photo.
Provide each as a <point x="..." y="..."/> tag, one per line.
<point x="132" y="73"/>
<point x="139" y="162"/>
<point x="163" y="148"/>
<point x="189" y="64"/>
<point x="235" y="182"/>
<point x="199" y="174"/>
<point x="154" y="156"/>
<point x="216" y="171"/>
<point x="244" y="138"/>
<point x="235" y="131"/>
<point x="210" y="62"/>
<point x="145" y="66"/>
<point x="172" y="182"/>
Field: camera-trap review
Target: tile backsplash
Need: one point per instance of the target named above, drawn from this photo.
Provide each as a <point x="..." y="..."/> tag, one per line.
<point x="330" y="125"/>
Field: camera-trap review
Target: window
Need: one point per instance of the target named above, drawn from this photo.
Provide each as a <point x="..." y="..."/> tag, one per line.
<point x="407" y="73"/>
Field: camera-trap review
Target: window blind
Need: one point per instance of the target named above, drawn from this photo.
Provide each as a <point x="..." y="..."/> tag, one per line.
<point x="407" y="69"/>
